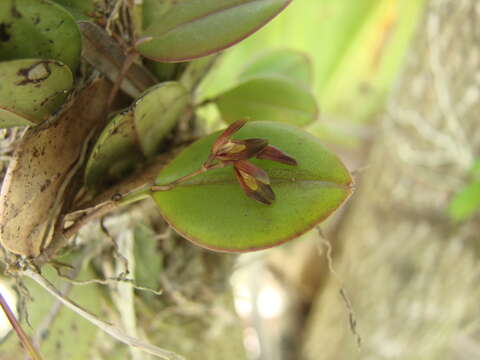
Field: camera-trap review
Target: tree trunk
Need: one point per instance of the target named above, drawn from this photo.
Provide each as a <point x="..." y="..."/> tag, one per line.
<point x="410" y="272"/>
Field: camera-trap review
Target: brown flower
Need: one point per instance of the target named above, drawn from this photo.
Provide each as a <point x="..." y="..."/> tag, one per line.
<point x="253" y="180"/>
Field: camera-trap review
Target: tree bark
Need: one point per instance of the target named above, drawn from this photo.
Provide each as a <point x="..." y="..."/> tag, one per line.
<point x="410" y="272"/>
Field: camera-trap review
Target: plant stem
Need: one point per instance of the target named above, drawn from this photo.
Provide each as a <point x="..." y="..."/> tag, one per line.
<point x="113" y="331"/>
<point x="27" y="344"/>
<point x="174" y="183"/>
<point x="131" y="197"/>
<point x="123" y="72"/>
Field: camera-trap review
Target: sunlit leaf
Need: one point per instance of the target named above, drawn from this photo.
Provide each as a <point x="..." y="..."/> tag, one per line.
<point x="212" y="210"/>
<point x="38" y="29"/>
<point x="188" y="29"/>
<point x="31" y="90"/>
<point x="269" y="98"/>
<point x="292" y="64"/>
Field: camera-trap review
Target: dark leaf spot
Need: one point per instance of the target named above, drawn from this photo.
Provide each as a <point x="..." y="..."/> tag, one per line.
<point x="4" y="34"/>
<point x="35" y="73"/>
<point x="14" y="11"/>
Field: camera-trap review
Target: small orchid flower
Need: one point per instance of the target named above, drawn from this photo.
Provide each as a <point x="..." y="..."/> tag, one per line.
<point x="253" y="180"/>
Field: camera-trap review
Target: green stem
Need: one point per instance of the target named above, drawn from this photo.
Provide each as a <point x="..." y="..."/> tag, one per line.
<point x="207" y="166"/>
<point x="131" y="197"/>
<point x="27" y="344"/>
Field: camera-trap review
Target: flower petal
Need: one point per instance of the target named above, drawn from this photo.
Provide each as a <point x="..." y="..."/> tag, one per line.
<point x="235" y="150"/>
<point x="274" y="154"/>
<point x="255" y="189"/>
<point x="252" y="170"/>
<point x="225" y="136"/>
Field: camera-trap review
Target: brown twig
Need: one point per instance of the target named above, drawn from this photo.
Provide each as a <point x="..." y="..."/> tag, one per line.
<point x="25" y="340"/>
<point x="123" y="72"/>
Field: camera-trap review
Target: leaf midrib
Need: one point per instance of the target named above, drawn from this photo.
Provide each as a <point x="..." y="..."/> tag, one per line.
<point x="275" y="181"/>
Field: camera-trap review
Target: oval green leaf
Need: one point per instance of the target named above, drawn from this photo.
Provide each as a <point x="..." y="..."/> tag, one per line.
<point x="212" y="211"/>
<point x="80" y="9"/>
<point x="193" y="28"/>
<point x="31" y="90"/>
<point x="157" y="112"/>
<point x="292" y="64"/>
<point x="116" y="153"/>
<point x="271" y="98"/>
<point x="135" y="135"/>
<point x="38" y="29"/>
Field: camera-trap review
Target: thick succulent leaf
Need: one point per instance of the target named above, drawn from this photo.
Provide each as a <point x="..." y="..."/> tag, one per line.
<point x="80" y="9"/>
<point x="115" y="154"/>
<point x="157" y="112"/>
<point x="212" y="210"/>
<point x="152" y="10"/>
<point x="292" y="64"/>
<point x="188" y="29"/>
<point x="269" y="98"/>
<point x="38" y="29"/>
<point x="135" y="135"/>
<point x="31" y="89"/>
<point x="44" y="164"/>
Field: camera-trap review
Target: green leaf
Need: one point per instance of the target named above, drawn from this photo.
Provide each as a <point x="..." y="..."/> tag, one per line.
<point x="212" y="210"/>
<point x="465" y="203"/>
<point x="196" y="71"/>
<point x="292" y="64"/>
<point x="165" y="71"/>
<point x="135" y="134"/>
<point x="116" y="153"/>
<point x="188" y="29"/>
<point x="31" y="90"/>
<point x="157" y="112"/>
<point x="269" y="98"/>
<point x="476" y="171"/>
<point x="38" y="29"/>
<point x="148" y="260"/>
<point x="80" y="9"/>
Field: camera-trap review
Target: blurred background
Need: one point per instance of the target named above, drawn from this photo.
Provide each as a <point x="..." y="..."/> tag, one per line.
<point x="398" y="87"/>
<point x="394" y="274"/>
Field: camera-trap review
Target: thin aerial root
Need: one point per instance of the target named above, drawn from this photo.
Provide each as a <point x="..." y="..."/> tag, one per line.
<point x="352" y="319"/>
<point x="117" y="252"/>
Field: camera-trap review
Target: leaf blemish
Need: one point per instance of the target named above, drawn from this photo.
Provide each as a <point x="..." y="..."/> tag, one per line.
<point x="4" y="33"/>
<point x="35" y="74"/>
